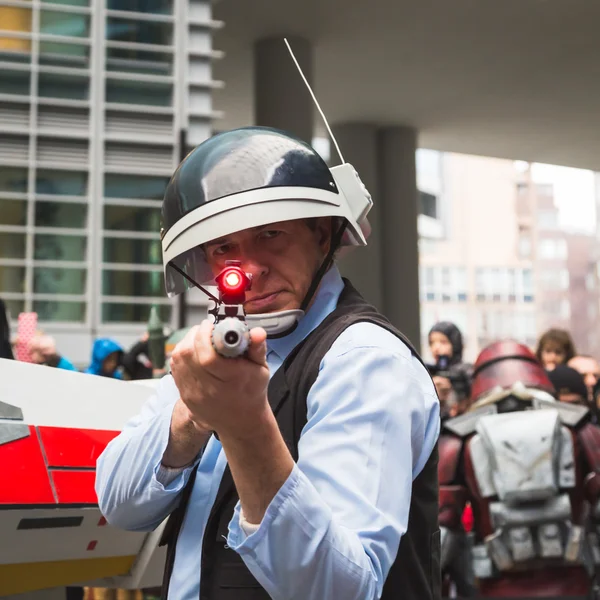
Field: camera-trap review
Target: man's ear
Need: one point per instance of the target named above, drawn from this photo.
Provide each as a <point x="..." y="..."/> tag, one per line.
<point x="322" y="232"/>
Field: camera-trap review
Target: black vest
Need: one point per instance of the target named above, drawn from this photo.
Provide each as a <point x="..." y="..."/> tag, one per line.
<point x="415" y="575"/>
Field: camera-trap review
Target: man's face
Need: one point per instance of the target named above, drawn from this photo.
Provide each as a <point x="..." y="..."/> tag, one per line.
<point x="553" y="354"/>
<point x="282" y="258"/>
<point x="589" y="368"/>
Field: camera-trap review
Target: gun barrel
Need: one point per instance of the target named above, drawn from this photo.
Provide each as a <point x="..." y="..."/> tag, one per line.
<point x="231" y="337"/>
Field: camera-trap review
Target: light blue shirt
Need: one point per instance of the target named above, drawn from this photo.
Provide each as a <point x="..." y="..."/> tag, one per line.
<point x="332" y="531"/>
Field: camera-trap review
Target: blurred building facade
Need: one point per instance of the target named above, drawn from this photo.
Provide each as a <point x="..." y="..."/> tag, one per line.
<point x="495" y="261"/>
<point x="97" y="101"/>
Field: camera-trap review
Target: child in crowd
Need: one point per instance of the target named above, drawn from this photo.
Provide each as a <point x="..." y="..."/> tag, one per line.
<point x="555" y="348"/>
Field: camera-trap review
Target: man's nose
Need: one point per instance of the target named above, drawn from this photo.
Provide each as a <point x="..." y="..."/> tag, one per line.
<point x="255" y="267"/>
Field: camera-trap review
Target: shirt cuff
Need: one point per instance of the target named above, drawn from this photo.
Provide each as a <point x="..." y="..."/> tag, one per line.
<point x="247" y="528"/>
<point x="166" y="475"/>
<point x="167" y="478"/>
<point x="245" y="539"/>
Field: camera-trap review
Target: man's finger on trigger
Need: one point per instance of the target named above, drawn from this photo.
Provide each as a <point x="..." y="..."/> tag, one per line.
<point x="203" y="341"/>
<point x="257" y="352"/>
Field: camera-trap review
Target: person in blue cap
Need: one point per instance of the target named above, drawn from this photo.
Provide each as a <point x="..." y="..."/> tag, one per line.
<point x="106" y="359"/>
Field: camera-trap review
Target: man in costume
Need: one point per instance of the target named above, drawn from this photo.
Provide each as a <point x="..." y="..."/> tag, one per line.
<point x="529" y="466"/>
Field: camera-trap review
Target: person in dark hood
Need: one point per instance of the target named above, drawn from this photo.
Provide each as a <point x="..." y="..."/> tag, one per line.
<point x="5" y="346"/>
<point x="569" y="385"/>
<point x="106" y="359"/>
<point x="136" y="363"/>
<point x="452" y="379"/>
<point x="450" y="374"/>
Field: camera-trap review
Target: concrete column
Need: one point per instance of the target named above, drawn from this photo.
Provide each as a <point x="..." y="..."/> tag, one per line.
<point x="387" y="271"/>
<point x="400" y="237"/>
<point x="281" y="99"/>
<point x="363" y="266"/>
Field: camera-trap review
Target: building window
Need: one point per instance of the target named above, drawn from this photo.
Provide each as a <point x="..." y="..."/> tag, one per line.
<point x="134" y="186"/>
<point x="547" y="219"/>
<point x="60" y="183"/>
<point x="525" y="245"/>
<point x="60" y="247"/>
<point x="527" y="285"/>
<point x="15" y="83"/>
<point x="63" y="311"/>
<point x="547" y="249"/>
<point x="552" y="249"/>
<point x="139" y="61"/>
<point x="562" y="250"/>
<point x="161" y="7"/>
<point x="132" y="277"/>
<point x="428" y="205"/>
<point x="60" y="214"/>
<point x="448" y="284"/>
<point x="461" y="284"/>
<point x="132" y="251"/>
<point x="12" y="279"/>
<point x="13" y="212"/>
<point x="428" y="284"/>
<point x="554" y="279"/>
<point x="13" y="179"/>
<point x="15" y="18"/>
<point x="59" y="281"/>
<point x="590" y="281"/>
<point x="429" y="181"/>
<point x="55" y="54"/>
<point x="565" y="309"/>
<point x="139" y="32"/>
<point x="61" y="85"/>
<point x="133" y="283"/>
<point x="129" y="312"/>
<point x="64" y="23"/>
<point x="131" y="218"/>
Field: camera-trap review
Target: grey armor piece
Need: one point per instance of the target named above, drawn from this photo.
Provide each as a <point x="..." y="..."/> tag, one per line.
<point x="525" y="461"/>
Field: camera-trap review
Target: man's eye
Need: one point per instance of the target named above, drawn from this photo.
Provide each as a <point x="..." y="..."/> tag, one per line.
<point x="221" y="250"/>
<point x="271" y="233"/>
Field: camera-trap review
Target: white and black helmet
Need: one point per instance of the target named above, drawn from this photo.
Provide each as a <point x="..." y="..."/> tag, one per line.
<point x="251" y="177"/>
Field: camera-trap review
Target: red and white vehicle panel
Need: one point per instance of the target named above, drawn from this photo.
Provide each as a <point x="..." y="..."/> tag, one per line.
<point x="53" y="426"/>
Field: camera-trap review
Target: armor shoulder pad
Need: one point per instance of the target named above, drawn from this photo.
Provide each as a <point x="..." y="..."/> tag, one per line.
<point x="464" y="425"/>
<point x="571" y="415"/>
<point x="589" y="437"/>
<point x="449" y="447"/>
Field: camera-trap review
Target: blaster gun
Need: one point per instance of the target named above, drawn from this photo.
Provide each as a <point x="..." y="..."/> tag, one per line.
<point x="231" y="335"/>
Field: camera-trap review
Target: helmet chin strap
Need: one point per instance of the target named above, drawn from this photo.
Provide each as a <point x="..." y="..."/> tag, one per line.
<point x="282" y="323"/>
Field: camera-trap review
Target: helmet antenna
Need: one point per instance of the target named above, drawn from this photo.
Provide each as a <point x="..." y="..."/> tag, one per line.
<point x="312" y="94"/>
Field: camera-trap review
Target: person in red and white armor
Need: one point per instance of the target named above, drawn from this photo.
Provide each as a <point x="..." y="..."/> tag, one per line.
<point x="530" y="468"/>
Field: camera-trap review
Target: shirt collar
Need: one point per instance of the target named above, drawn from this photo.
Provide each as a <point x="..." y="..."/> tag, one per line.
<point x="326" y="300"/>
